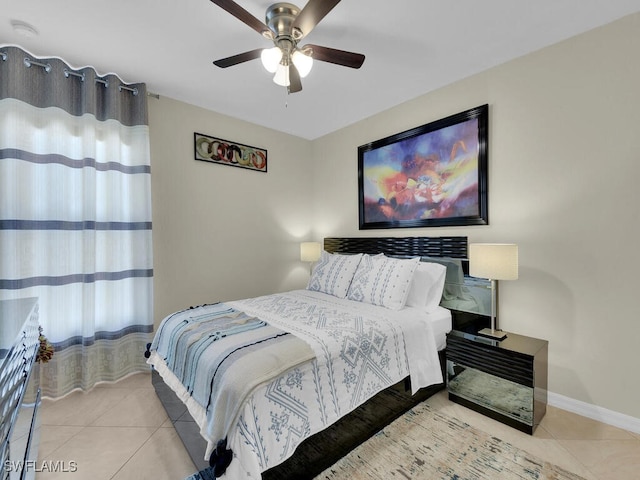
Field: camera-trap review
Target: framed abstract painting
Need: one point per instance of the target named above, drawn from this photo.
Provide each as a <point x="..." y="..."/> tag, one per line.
<point x="430" y="176"/>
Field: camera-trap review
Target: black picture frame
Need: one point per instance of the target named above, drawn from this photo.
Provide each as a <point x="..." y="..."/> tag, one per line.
<point x="433" y="175"/>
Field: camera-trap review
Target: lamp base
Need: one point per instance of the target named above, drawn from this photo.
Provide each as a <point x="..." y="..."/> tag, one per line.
<point x="494" y="334"/>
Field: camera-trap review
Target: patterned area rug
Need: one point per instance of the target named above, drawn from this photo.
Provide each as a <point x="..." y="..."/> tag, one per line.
<point x="424" y="444"/>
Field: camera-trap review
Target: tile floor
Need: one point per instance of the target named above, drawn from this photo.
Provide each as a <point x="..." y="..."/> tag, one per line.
<point x="120" y="431"/>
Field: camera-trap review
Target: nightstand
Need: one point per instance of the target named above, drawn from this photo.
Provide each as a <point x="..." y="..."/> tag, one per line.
<point x="505" y="380"/>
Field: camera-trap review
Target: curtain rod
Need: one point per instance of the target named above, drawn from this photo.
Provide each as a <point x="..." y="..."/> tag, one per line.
<point x="28" y="62"/>
<point x="67" y="73"/>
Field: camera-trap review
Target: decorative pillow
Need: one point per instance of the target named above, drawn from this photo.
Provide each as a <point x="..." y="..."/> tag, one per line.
<point x="427" y="286"/>
<point x="333" y="273"/>
<point x="384" y="281"/>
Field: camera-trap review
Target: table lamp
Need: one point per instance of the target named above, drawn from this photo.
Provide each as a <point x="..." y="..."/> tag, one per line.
<point x="310" y="252"/>
<point x="494" y="261"/>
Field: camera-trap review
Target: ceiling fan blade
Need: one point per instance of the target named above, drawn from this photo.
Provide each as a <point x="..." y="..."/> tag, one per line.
<point x="312" y="13"/>
<point x="241" y="14"/>
<point x="295" y="85"/>
<point x="339" y="57"/>
<point x="239" y="58"/>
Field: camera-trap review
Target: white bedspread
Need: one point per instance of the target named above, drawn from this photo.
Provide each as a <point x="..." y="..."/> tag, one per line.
<point x="360" y="349"/>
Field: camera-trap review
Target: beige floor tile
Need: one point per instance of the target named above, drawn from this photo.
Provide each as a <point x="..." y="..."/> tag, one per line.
<point x="541" y="432"/>
<point x="161" y="457"/>
<point x="120" y="431"/>
<point x="141" y="408"/>
<point x="135" y="380"/>
<point x="167" y="423"/>
<point x="53" y="437"/>
<point x="554" y="452"/>
<point x="607" y="459"/>
<point x="98" y="452"/>
<point x="80" y="408"/>
<point x="570" y="426"/>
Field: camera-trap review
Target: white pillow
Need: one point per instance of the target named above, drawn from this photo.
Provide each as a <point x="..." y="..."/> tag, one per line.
<point x="333" y="273"/>
<point x="384" y="281"/>
<point x="454" y="279"/>
<point x="427" y="286"/>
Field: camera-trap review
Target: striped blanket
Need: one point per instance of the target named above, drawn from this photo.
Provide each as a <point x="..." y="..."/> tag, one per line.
<point x="213" y="356"/>
<point x="268" y="372"/>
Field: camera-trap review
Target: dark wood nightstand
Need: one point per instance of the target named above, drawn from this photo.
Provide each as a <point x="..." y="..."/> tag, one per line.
<point x="505" y="380"/>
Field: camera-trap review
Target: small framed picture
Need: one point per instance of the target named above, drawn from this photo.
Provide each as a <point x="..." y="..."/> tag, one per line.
<point x="217" y="150"/>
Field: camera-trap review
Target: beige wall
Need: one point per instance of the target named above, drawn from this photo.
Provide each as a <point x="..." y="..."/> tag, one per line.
<point x="220" y="232"/>
<point x="563" y="169"/>
<point x="563" y="184"/>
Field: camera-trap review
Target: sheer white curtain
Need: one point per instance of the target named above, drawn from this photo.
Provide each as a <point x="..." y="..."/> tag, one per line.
<point x="75" y="215"/>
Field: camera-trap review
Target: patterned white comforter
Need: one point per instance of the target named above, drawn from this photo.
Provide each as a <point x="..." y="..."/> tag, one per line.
<point x="341" y="353"/>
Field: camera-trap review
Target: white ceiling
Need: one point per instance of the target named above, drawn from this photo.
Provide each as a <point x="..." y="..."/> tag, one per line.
<point x="411" y="48"/>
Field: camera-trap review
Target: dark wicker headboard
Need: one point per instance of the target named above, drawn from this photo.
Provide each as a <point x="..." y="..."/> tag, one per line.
<point x="454" y="247"/>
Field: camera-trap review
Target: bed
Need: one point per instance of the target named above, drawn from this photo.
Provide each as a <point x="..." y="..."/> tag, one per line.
<point x="282" y="385"/>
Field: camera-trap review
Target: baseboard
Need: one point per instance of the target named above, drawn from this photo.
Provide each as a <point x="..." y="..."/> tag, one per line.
<point x="594" y="412"/>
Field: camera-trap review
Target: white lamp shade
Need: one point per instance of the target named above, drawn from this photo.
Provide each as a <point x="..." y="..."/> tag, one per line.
<point x="310" y="251"/>
<point x="282" y="75"/>
<point x="302" y="62"/>
<point x="495" y="261"/>
<point x="271" y="58"/>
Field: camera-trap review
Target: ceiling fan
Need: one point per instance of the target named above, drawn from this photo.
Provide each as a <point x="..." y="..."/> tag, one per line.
<point x="286" y="25"/>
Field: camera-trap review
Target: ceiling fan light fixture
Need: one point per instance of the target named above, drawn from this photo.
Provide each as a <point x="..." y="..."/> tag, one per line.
<point x="271" y="58"/>
<point x="282" y="75"/>
<point x="285" y="25"/>
<point x="302" y="62"/>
